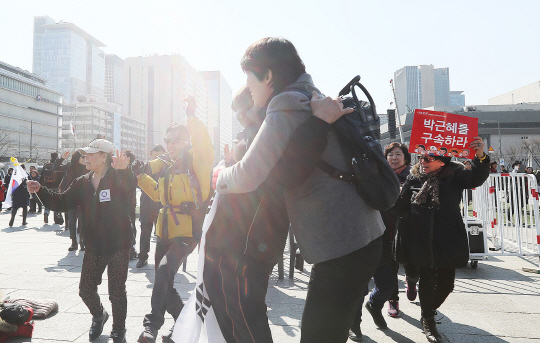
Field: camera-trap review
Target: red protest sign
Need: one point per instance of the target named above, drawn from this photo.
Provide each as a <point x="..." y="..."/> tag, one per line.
<point x="443" y="134"/>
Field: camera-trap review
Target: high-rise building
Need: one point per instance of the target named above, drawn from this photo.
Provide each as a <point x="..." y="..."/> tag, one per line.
<point x="114" y="79"/>
<point x="156" y="87"/>
<point x="422" y="87"/>
<point x="68" y="58"/>
<point x="220" y="116"/>
<point x="406" y="86"/>
<point x="457" y="98"/>
<point x="30" y="115"/>
<point x="442" y="86"/>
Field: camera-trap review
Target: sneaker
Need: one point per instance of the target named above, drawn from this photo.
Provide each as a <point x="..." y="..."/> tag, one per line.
<point x="168" y="338"/>
<point x="148" y="335"/>
<point x="393" y="308"/>
<point x="378" y="318"/>
<point x="142" y="263"/>
<point x="97" y="325"/>
<point x="83" y="248"/>
<point x="354" y="334"/>
<point x="411" y="291"/>
<point x="117" y="336"/>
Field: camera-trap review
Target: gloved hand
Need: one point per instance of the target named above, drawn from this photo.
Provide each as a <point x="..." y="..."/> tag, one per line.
<point x="215" y="175"/>
<point x="137" y="167"/>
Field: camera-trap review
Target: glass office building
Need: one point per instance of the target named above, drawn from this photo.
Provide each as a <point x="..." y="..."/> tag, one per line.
<point x="68" y="58"/>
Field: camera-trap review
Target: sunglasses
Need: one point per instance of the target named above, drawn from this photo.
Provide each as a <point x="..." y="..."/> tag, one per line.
<point x="427" y="159"/>
<point x="173" y="140"/>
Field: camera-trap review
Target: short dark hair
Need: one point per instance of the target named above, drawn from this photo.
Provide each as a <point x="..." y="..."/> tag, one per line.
<point x="158" y="147"/>
<point x="493" y="162"/>
<point x="276" y="54"/>
<point x="443" y="148"/>
<point x="404" y="148"/>
<point x="180" y="128"/>
<point x="516" y="163"/>
<point x="422" y="146"/>
<point x="131" y="155"/>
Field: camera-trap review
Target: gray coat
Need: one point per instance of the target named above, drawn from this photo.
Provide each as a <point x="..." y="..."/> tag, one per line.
<point x="328" y="217"/>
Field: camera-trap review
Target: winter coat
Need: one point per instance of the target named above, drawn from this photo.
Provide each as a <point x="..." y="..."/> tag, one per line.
<point x="72" y="171"/>
<point x="149" y="209"/>
<point x="2" y="191"/>
<point x="328" y="217"/>
<point x="389" y="217"/>
<point x="105" y="221"/>
<point x="256" y="224"/>
<point x="436" y="235"/>
<point x="199" y="161"/>
<point x="20" y="197"/>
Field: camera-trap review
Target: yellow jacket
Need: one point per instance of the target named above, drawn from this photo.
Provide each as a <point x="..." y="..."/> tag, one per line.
<point x="180" y="189"/>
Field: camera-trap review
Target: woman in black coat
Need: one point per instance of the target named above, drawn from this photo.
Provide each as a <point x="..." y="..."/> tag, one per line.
<point x="436" y="235"/>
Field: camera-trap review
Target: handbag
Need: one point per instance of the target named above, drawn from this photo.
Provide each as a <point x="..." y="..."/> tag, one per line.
<point x="399" y="244"/>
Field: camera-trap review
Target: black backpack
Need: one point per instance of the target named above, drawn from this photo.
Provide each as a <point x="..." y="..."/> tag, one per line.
<point x="359" y="133"/>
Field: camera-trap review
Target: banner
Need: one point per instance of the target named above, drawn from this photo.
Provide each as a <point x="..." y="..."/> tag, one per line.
<point x="17" y="178"/>
<point x="443" y="134"/>
<point x="197" y="322"/>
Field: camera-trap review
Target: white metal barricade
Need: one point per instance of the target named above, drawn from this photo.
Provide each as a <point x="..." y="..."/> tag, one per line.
<point x="502" y="218"/>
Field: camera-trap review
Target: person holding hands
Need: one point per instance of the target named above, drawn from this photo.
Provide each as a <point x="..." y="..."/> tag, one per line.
<point x="107" y="233"/>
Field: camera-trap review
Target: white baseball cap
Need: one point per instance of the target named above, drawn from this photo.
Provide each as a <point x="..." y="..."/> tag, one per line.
<point x="98" y="145"/>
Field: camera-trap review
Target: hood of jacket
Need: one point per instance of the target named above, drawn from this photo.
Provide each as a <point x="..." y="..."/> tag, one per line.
<point x="446" y="171"/>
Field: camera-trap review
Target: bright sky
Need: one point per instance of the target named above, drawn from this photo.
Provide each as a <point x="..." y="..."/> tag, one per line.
<point x="490" y="46"/>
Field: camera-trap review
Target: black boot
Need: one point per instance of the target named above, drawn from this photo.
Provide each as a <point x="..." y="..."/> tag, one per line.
<point x="46" y="218"/>
<point x="355" y="334"/>
<point x="117" y="336"/>
<point x="74" y="245"/>
<point x="378" y="318"/>
<point x="430" y="329"/>
<point x="11" y="221"/>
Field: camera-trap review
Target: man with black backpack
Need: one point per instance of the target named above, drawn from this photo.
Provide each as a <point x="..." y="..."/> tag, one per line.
<point x="336" y="229"/>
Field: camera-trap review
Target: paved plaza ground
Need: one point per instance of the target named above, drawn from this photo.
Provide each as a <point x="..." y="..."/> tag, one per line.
<point x="497" y="302"/>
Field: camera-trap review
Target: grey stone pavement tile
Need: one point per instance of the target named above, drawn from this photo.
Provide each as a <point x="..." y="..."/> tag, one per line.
<point x="497" y="302"/>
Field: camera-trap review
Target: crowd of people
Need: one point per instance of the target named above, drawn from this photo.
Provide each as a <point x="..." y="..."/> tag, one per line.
<point x="268" y="184"/>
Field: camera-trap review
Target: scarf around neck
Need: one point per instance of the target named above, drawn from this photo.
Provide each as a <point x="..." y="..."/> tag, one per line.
<point x="429" y="193"/>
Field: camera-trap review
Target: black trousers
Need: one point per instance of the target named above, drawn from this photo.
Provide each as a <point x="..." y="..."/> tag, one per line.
<point x="434" y="287"/>
<point x="93" y="267"/>
<point x="146" y="233"/>
<point x="73" y="222"/>
<point x="335" y="289"/>
<point x="237" y="290"/>
<point x="34" y="204"/>
<point x="411" y="275"/>
<point x="169" y="257"/>
<point x="24" y="212"/>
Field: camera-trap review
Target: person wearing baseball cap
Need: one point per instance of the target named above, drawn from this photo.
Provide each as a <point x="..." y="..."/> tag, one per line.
<point x="106" y="229"/>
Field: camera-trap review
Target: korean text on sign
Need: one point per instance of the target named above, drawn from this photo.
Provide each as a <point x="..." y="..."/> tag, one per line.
<point x="442" y="134"/>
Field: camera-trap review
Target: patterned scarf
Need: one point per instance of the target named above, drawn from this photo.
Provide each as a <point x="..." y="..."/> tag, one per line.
<point x="429" y="193"/>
